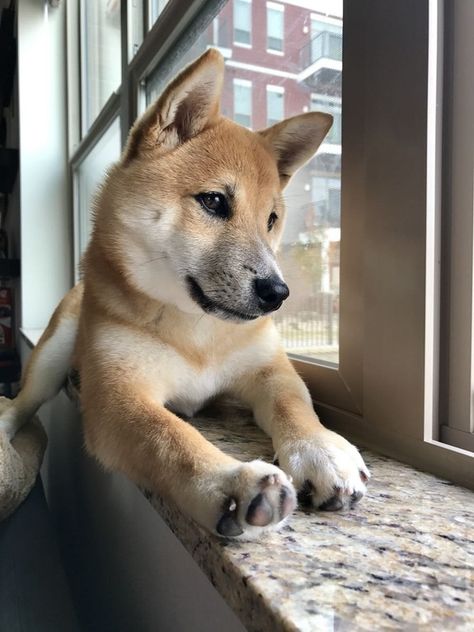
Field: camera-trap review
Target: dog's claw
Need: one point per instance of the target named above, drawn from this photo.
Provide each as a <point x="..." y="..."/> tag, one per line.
<point x="333" y="504"/>
<point x="355" y="497"/>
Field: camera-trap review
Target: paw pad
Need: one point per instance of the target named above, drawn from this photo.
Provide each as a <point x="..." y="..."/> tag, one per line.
<point x="267" y="501"/>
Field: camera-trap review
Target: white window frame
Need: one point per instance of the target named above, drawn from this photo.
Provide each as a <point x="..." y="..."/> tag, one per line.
<point x="384" y="393"/>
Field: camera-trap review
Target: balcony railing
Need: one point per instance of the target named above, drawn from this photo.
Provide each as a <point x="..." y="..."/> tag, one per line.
<point x="324" y="45"/>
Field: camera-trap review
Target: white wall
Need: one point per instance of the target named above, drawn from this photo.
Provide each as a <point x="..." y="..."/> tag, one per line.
<point x="45" y="204"/>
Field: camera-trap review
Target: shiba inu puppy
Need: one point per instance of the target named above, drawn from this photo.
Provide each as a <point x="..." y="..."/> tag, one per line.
<point x="179" y="280"/>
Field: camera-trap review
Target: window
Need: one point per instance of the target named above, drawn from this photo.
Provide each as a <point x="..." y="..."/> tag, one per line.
<point x="243" y="102"/>
<point x="359" y="248"/>
<point x="243" y="22"/>
<point x="309" y="320"/>
<point x="275" y="26"/>
<point x="89" y="173"/>
<point x="100" y="55"/>
<point x="275" y="104"/>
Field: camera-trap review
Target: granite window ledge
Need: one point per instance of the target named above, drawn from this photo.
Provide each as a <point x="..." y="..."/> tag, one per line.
<point x="401" y="559"/>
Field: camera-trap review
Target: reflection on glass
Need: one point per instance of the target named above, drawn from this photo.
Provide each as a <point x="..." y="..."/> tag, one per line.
<point x="101" y="55"/>
<point x="90" y="173"/>
<point x="284" y="58"/>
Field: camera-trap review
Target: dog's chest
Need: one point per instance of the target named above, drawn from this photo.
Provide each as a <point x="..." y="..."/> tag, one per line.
<point x="195" y="390"/>
<point x="194" y="387"/>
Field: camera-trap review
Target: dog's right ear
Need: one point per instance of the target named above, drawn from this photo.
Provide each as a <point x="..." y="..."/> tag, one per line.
<point x="189" y="105"/>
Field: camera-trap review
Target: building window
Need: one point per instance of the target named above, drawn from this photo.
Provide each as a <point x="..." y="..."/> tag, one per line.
<point x="243" y="22"/>
<point x="321" y="103"/>
<point x="275" y="26"/>
<point x="275" y="104"/>
<point x="243" y="102"/>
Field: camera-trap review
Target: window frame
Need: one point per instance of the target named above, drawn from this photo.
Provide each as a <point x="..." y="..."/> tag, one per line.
<point x="383" y="393"/>
<point x="457" y="345"/>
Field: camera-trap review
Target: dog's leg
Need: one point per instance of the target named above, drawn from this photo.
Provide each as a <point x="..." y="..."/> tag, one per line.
<point x="48" y="364"/>
<point x="128" y="429"/>
<point x="322" y="463"/>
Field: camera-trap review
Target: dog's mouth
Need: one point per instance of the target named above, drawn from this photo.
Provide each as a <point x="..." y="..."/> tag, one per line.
<point x="213" y="307"/>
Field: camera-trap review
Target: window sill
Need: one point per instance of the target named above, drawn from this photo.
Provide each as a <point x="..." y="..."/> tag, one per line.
<point x="400" y="558"/>
<point x="403" y="557"/>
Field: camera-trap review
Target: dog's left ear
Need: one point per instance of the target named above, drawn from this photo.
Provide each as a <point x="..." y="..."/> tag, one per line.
<point x="295" y="140"/>
<point x="189" y="104"/>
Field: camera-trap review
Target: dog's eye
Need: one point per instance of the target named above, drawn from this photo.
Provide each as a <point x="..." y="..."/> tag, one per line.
<point x="271" y="221"/>
<point x="214" y="203"/>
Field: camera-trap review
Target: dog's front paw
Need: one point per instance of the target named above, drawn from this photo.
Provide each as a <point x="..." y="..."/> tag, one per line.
<point x="327" y="470"/>
<point x="251" y="498"/>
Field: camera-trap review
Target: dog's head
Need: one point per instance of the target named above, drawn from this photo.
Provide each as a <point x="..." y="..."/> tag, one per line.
<point x="201" y="209"/>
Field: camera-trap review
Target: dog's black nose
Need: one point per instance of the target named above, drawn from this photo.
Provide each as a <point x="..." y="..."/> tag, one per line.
<point x="271" y="292"/>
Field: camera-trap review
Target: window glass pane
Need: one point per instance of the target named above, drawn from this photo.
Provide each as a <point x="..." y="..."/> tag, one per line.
<point x="242" y="21"/>
<point x="275" y="18"/>
<point x="89" y="174"/>
<point x="155" y="9"/>
<point x="100" y="56"/>
<point x="275" y="104"/>
<point x="309" y="254"/>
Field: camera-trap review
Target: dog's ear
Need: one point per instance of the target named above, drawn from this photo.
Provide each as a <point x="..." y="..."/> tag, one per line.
<point x="189" y="104"/>
<point x="295" y="140"/>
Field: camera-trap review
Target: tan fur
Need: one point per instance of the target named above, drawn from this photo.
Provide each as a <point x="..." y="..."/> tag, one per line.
<point x="144" y="348"/>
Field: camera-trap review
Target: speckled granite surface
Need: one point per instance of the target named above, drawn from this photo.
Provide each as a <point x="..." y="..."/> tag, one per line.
<point x="402" y="559"/>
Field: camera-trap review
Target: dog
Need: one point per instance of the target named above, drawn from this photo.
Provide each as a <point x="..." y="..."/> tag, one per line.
<point x="178" y="284"/>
